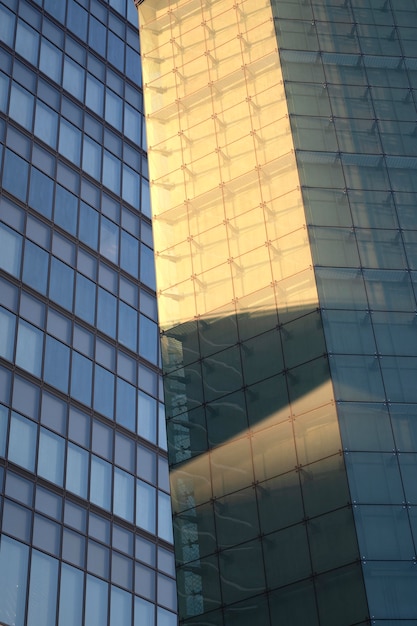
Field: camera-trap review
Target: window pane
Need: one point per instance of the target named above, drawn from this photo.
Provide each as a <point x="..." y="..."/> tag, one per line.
<point x="164" y="517"/>
<point x="144" y="613"/>
<point x="61" y="283"/>
<point x="7" y="332"/>
<point x="106" y="312"/>
<point x="85" y="299"/>
<point x="109" y="240"/>
<point x="145" y="506"/>
<point x="56" y="368"/>
<point x="15" y="175"/>
<point x="92" y="157"/>
<point x="51" y="457"/>
<point x="103" y="392"/>
<point x="21" y="106"/>
<point x="46" y="124"/>
<point x="50" y="61"/>
<point x="29" y="348"/>
<point x="43" y="590"/>
<point x="77" y="470"/>
<point x="96" y="602"/>
<point x="73" y="78"/>
<point x="70" y="142"/>
<point x="126" y="404"/>
<point x="100" y="486"/>
<point x="27" y="42"/>
<point x="13" y="577"/>
<point x="81" y="378"/>
<point x="120" y="607"/>
<point x="71" y="598"/>
<point x="66" y="205"/>
<point x="88" y="227"/>
<point x="41" y="192"/>
<point x="123" y="494"/>
<point x="10" y="250"/>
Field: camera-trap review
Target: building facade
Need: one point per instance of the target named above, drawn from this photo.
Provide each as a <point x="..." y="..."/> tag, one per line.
<point x="86" y="533"/>
<point x="283" y="165"/>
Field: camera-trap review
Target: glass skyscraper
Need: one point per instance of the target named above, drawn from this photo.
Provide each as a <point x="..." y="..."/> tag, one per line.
<point x="282" y="147"/>
<point x="86" y="532"/>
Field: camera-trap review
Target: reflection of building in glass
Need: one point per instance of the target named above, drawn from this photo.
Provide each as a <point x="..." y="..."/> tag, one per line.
<point x="84" y="506"/>
<point x="283" y="160"/>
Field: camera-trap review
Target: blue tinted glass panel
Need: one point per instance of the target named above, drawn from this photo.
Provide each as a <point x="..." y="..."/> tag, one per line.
<point x="42" y="590"/>
<point x="10" y="250"/>
<point x="111" y="172"/>
<point x="77" y="20"/>
<point x="100" y="482"/>
<point x="128" y="326"/>
<point x="147" y="267"/>
<point x="7" y="24"/>
<point x="85" y="299"/>
<point x="66" y="205"/>
<point x="97" y="36"/>
<point x="41" y="192"/>
<point x="114" y="110"/>
<point x="115" y="51"/>
<point x="123" y="498"/>
<point x="164" y="517"/>
<point x="50" y="61"/>
<point x="22" y="442"/>
<point x="29" y="348"/>
<point x="70" y="142"/>
<point x="145" y="506"/>
<point x="35" y="267"/>
<point x="71" y="596"/>
<point x="46" y="124"/>
<point x="61" y="283"/>
<point x="51" y="457"/>
<point x="106" y="312"/>
<point x="94" y="98"/>
<point x="15" y="175"/>
<point x="3" y="429"/>
<point x="56" y="368"/>
<point x="147" y="416"/>
<point x="7" y="332"/>
<point x="27" y="42"/>
<point x="21" y="106"/>
<point x="96" y="602"/>
<point x="144" y="613"/>
<point x="56" y="9"/>
<point x="77" y="470"/>
<point x="81" y="378"/>
<point x="73" y="78"/>
<point x="103" y="391"/>
<point x="109" y="239"/>
<point x="13" y="576"/>
<point x="133" y="124"/>
<point x="120" y="607"/>
<point x="88" y="226"/>
<point x="126" y="404"/>
<point x="131" y="186"/>
<point x="92" y="157"/>
<point x="148" y="339"/>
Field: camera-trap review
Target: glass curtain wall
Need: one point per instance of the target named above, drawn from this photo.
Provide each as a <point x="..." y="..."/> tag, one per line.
<point x="84" y="495"/>
<point x="351" y="78"/>
<point x="263" y="524"/>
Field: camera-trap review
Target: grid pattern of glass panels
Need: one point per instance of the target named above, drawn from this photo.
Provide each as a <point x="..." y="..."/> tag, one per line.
<point x="351" y="79"/>
<point x="85" y="510"/>
<point x="263" y="526"/>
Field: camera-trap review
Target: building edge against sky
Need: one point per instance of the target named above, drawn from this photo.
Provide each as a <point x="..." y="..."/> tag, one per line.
<point x="85" y="516"/>
<point x="283" y="162"/>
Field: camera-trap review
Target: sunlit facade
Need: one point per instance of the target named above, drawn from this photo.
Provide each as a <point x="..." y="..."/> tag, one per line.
<point x="85" y="515"/>
<point x="283" y="167"/>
